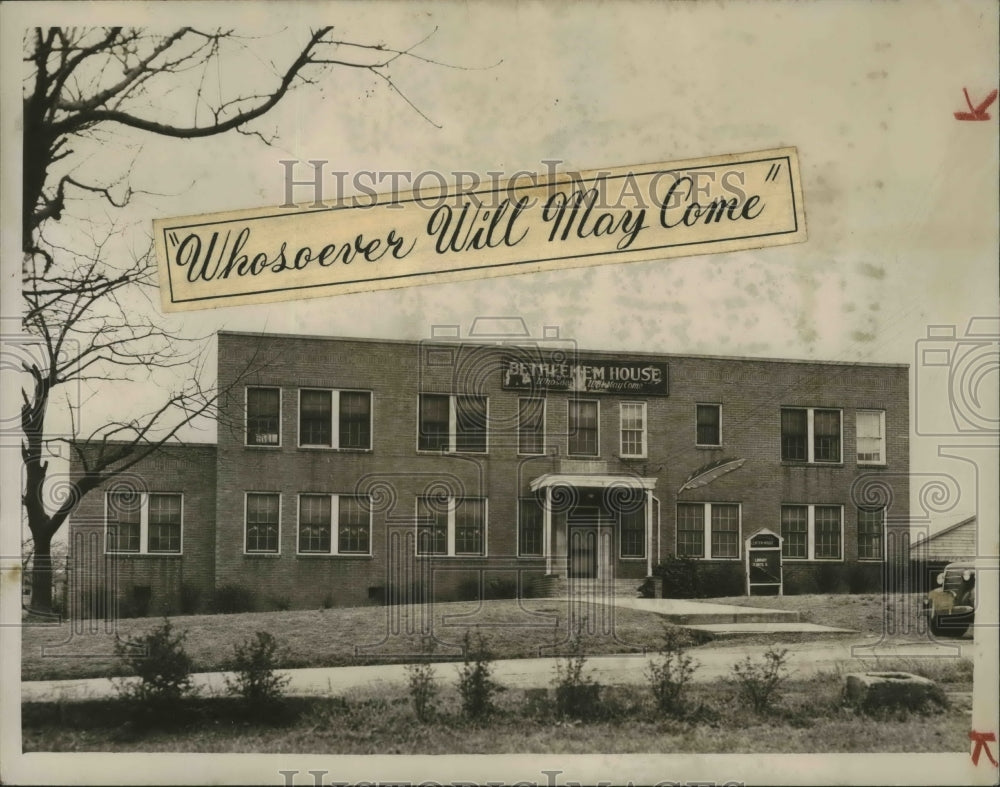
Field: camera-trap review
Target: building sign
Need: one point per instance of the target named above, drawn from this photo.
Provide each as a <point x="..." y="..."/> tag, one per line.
<point x="635" y="378"/>
<point x="763" y="566"/>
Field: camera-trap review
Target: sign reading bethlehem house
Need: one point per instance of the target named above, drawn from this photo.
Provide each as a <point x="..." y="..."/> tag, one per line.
<point x="523" y="225"/>
<point x="618" y="377"/>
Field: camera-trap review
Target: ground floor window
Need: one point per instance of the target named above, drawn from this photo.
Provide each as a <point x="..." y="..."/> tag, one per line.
<point x="530" y="527"/>
<point x="812" y="532"/>
<point x="715" y="524"/>
<point x="143" y="522"/>
<point x="451" y="526"/>
<point x="317" y="515"/>
<point x="871" y="528"/>
<point x="262" y="522"/>
<point x="633" y="531"/>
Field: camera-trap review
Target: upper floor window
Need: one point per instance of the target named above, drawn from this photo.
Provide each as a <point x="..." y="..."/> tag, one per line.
<point x="451" y="526"/>
<point x="584" y="428"/>
<point x="871" y="533"/>
<point x="715" y="524"/>
<point x="263" y="416"/>
<point x="144" y="523"/>
<point x="708" y="424"/>
<point x="531" y="426"/>
<point x="633" y="429"/>
<point x="871" y="437"/>
<point x="453" y="423"/>
<point x="810" y="434"/>
<point x="335" y="419"/>
<point x="812" y="532"/>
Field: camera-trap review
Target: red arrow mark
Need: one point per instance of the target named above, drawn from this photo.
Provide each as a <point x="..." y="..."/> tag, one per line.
<point x="977" y="112"/>
<point x="981" y="739"/>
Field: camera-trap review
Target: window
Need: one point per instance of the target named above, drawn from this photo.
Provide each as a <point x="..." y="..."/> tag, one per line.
<point x="633" y="421"/>
<point x="453" y="423"/>
<point x="530" y="527"/>
<point x="871" y="526"/>
<point x="164" y="523"/>
<point x="708" y="424"/>
<point x="583" y="428"/>
<point x="715" y="524"/>
<point x="143" y="523"/>
<point x="263" y="416"/>
<point x="633" y="530"/>
<point x="531" y="426"/>
<point x="352" y="514"/>
<point x="810" y="435"/>
<point x="454" y="526"/>
<point x="725" y="531"/>
<point x="350" y="428"/>
<point x="812" y="532"/>
<point x="690" y="530"/>
<point x="262" y="522"/>
<point x="314" y="523"/>
<point x="871" y="437"/>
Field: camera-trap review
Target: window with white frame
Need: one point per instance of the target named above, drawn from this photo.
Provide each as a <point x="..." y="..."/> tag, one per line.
<point x="263" y="522"/>
<point x="335" y="419"/>
<point x="584" y="428"/>
<point x="633" y="429"/>
<point x="871" y="533"/>
<point x="632" y="535"/>
<point x="871" y="437"/>
<point x="812" y="532"/>
<point x="810" y="434"/>
<point x="708" y="424"/>
<point x="144" y="522"/>
<point x="454" y="526"/>
<point x="715" y="524"/>
<point x="456" y="423"/>
<point x="335" y="524"/>
<point x="531" y="426"/>
<point x="530" y="527"/>
<point x="263" y="416"/>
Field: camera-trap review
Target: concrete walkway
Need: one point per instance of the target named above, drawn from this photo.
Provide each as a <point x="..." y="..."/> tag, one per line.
<point x="805" y="659"/>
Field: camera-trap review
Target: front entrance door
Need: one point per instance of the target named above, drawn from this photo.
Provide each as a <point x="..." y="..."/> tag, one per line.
<point x="582" y="551"/>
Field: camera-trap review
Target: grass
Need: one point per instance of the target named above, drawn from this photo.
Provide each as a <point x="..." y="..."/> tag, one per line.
<point x="351" y="636"/>
<point x="809" y="718"/>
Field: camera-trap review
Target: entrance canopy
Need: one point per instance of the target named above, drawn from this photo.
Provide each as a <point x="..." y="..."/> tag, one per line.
<point x="593" y="481"/>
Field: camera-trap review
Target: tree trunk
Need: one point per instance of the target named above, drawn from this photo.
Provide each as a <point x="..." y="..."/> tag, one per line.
<point x="41" y="574"/>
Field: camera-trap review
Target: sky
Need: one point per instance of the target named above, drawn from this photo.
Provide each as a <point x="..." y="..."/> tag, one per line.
<point x="900" y="198"/>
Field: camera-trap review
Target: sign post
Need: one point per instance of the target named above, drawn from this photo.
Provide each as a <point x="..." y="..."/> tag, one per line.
<point x="763" y="563"/>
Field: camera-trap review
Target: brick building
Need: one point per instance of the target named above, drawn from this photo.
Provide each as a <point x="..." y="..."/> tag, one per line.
<point x="346" y="469"/>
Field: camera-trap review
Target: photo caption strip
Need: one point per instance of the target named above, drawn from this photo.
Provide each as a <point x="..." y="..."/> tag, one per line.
<point x="526" y="224"/>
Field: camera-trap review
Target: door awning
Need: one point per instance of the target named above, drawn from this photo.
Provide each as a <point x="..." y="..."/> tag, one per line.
<point x="592" y="481"/>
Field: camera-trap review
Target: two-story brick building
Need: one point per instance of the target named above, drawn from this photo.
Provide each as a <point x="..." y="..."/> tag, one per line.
<point x="346" y="467"/>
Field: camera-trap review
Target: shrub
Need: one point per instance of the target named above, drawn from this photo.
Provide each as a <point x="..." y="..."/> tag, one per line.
<point x="892" y="698"/>
<point x="421" y="682"/>
<point x="162" y="666"/>
<point x="190" y="599"/>
<point x="647" y="589"/>
<point x="670" y="673"/>
<point x="230" y="599"/>
<point x="864" y="579"/>
<point x="254" y="678"/>
<point x="685" y="577"/>
<point x="721" y="579"/>
<point x="680" y="577"/>
<point x="758" y="682"/>
<point x="498" y="588"/>
<point x="577" y="695"/>
<point x="830" y="578"/>
<point x="475" y="683"/>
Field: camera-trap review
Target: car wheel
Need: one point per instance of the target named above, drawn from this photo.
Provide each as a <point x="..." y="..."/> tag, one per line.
<point x="939" y="630"/>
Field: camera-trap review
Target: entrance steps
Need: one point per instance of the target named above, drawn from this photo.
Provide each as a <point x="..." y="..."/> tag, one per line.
<point x="591" y="589"/>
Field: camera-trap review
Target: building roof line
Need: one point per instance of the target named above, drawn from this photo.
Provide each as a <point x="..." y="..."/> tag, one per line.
<point x="512" y="342"/>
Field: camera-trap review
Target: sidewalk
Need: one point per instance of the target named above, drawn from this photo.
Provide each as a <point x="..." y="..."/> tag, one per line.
<point x="805" y="659"/>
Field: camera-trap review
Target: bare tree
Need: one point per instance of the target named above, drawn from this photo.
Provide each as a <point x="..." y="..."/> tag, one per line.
<point x="79" y="296"/>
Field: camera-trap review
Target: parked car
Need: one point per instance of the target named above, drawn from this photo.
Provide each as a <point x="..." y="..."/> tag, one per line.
<point x="950" y="609"/>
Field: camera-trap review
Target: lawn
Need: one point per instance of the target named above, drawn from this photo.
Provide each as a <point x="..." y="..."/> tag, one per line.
<point x="809" y="717"/>
<point x="353" y="636"/>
